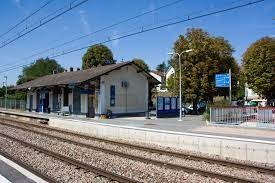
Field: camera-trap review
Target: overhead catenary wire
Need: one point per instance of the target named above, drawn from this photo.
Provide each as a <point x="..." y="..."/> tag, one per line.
<point x="110" y="26"/>
<point x="26" y="18"/>
<point x="103" y="28"/>
<point x="113" y="25"/>
<point x="42" y="23"/>
<point x="150" y="29"/>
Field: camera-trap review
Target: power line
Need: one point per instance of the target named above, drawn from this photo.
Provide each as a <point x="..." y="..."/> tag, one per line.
<point x="151" y="29"/>
<point x="120" y="22"/>
<point x="26" y="18"/>
<point x="43" y="23"/>
<point x="165" y="25"/>
<point x="102" y="29"/>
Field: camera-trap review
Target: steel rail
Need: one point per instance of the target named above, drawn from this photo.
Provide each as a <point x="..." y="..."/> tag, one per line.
<point x="260" y="169"/>
<point x="110" y="175"/>
<point x="206" y="173"/>
<point x="27" y="167"/>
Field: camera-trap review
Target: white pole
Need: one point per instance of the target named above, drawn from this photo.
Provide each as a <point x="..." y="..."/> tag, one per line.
<point x="6" y="95"/>
<point x="230" y="88"/>
<point x="180" y="89"/>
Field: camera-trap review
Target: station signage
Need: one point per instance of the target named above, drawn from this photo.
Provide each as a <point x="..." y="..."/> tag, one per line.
<point x="222" y="80"/>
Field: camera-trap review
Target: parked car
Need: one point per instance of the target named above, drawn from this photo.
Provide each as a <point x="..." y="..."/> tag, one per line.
<point x="186" y="110"/>
<point x="201" y="106"/>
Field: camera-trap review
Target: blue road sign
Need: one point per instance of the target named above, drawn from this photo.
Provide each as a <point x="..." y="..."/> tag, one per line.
<point x="222" y="80"/>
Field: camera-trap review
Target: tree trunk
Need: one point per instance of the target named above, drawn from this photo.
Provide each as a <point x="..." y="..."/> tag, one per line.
<point x="195" y="106"/>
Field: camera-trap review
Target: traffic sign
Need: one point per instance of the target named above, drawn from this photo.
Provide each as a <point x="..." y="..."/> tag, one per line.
<point x="222" y="80"/>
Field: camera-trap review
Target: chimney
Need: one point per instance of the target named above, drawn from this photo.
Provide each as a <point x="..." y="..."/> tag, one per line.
<point x="78" y="69"/>
<point x="71" y="69"/>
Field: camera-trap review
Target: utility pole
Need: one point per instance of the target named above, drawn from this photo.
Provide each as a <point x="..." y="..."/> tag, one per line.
<point x="6" y="95"/>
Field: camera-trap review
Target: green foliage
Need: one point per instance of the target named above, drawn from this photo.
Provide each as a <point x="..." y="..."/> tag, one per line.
<point x="97" y="55"/>
<point x="2" y="92"/>
<point x="162" y="67"/>
<point x="40" y="68"/>
<point x="210" y="55"/>
<point x="172" y="85"/>
<point x="259" y="67"/>
<point x="141" y="64"/>
<point x="12" y="94"/>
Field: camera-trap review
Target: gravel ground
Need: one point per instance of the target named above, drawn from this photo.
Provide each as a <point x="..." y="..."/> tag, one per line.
<point x="252" y="174"/>
<point x="60" y="171"/>
<point x="132" y="169"/>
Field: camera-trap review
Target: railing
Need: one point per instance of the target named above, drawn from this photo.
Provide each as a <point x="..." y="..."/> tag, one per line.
<point x="244" y="116"/>
<point x="13" y="104"/>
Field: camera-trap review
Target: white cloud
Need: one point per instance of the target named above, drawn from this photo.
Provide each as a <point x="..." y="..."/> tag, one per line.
<point x="84" y="21"/>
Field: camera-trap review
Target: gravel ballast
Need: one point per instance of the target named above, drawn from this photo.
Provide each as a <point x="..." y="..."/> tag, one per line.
<point x="140" y="173"/>
<point x="133" y="169"/>
<point x="59" y="170"/>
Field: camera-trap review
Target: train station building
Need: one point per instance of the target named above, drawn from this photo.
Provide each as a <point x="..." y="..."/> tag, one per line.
<point x="122" y="88"/>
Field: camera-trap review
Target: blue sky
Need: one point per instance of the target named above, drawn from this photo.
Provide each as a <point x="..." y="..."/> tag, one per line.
<point x="240" y="27"/>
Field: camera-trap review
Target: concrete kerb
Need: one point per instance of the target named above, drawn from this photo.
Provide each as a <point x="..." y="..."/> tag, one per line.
<point x="239" y="148"/>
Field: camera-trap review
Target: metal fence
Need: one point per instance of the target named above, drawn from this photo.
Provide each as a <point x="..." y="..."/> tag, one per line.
<point x="13" y="104"/>
<point x="244" y="116"/>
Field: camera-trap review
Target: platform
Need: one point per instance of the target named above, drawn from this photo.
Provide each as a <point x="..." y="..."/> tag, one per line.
<point x="190" y="134"/>
<point x="10" y="172"/>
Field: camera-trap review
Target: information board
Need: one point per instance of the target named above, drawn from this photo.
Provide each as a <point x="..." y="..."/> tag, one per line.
<point x="167" y="106"/>
<point x="222" y="80"/>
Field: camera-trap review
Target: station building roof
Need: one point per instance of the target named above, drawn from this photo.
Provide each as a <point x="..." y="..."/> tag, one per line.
<point x="77" y="77"/>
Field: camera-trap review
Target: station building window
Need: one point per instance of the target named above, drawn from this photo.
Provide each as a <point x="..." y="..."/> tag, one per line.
<point x="112" y="95"/>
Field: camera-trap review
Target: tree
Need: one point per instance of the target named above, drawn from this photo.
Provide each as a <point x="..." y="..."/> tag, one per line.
<point x="40" y="68"/>
<point x="162" y="67"/>
<point x="259" y="67"/>
<point x="210" y="55"/>
<point x="97" y="55"/>
<point x="141" y="64"/>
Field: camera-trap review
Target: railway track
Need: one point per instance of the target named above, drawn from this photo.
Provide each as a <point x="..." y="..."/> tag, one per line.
<point x="79" y="164"/>
<point x="260" y="169"/>
<point x="26" y="127"/>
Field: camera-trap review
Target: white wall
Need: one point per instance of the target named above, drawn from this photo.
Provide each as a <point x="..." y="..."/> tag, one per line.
<point x="159" y="78"/>
<point x="28" y="100"/>
<point x="29" y="93"/>
<point x="51" y="100"/>
<point x="71" y="100"/>
<point x="84" y="103"/>
<point x="131" y="100"/>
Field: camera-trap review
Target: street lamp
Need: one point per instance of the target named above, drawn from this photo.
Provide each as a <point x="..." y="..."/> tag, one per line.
<point x="6" y="95"/>
<point x="179" y="55"/>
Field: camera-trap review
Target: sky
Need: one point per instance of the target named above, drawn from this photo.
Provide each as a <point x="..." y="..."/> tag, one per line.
<point x="240" y="27"/>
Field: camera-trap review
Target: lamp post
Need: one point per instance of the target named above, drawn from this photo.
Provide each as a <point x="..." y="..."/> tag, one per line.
<point x="179" y="55"/>
<point x="6" y="95"/>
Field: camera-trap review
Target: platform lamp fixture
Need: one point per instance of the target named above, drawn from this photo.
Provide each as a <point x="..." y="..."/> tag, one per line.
<point x="179" y="55"/>
<point x="6" y="93"/>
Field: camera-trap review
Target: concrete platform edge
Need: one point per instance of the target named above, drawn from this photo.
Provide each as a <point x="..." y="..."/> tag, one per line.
<point x="22" y="170"/>
<point x="238" y="148"/>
